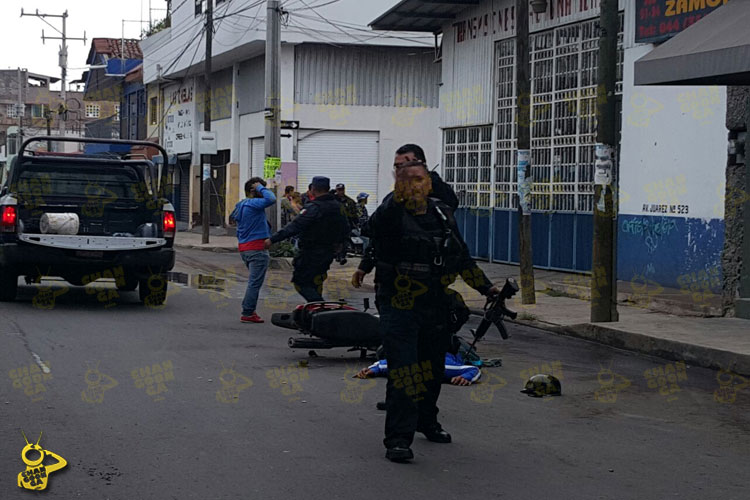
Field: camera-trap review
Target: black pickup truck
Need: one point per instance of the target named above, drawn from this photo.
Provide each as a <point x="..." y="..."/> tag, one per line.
<point x="117" y="224"/>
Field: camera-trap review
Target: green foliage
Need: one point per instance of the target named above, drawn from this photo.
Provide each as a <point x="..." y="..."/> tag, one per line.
<point x="157" y="27"/>
<point x="283" y="249"/>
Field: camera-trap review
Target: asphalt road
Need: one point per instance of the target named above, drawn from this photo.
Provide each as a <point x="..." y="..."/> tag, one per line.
<point x="186" y="402"/>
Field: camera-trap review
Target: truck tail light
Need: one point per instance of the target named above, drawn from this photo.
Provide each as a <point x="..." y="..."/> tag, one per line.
<point x="8" y="222"/>
<point x="169" y="225"/>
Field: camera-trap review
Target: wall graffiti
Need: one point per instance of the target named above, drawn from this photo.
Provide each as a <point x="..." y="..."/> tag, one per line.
<point x="652" y="230"/>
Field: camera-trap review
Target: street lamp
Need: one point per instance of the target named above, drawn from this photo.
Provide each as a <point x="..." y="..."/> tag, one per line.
<point x="539" y="6"/>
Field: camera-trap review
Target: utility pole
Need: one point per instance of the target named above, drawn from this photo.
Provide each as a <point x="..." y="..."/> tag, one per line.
<point x="603" y="278"/>
<point x="273" y="95"/>
<point x="523" y="116"/>
<point x="63" y="55"/>
<point x="48" y="117"/>
<point x="206" y="159"/>
<point x="21" y="111"/>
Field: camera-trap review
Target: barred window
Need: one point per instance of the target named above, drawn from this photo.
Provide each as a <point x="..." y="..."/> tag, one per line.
<point x="467" y="164"/>
<point x="563" y="118"/>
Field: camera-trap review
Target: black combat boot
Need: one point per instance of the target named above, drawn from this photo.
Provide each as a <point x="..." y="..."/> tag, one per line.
<point x="435" y="433"/>
<point x="400" y="453"/>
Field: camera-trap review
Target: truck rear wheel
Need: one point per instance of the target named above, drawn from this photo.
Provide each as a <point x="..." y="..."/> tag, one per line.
<point x="128" y="284"/>
<point x="8" y="286"/>
<point x="153" y="290"/>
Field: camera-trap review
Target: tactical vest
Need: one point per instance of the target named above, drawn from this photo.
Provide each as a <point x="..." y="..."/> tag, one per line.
<point x="330" y="228"/>
<point x="419" y="253"/>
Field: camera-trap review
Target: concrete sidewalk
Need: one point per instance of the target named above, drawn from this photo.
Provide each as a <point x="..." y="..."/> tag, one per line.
<point x="672" y="324"/>
<point x="217" y="243"/>
<point x="653" y="320"/>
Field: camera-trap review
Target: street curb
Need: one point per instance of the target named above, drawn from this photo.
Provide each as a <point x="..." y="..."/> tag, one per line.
<point x="697" y="355"/>
<point x="206" y="249"/>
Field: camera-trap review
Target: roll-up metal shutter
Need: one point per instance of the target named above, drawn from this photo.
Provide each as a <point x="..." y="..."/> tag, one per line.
<point x="257" y="153"/>
<point x="347" y="157"/>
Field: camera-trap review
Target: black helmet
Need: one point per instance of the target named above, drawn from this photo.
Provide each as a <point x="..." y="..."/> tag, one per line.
<point x="541" y="385"/>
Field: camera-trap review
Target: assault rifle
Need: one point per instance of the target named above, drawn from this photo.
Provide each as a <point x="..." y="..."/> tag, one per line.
<point x="495" y="311"/>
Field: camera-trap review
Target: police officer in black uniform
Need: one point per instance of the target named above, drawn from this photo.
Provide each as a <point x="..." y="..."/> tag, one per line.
<point x="417" y="252"/>
<point x="322" y="229"/>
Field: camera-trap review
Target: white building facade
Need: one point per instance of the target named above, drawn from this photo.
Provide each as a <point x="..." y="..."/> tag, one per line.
<point x="672" y="152"/>
<point x="355" y="104"/>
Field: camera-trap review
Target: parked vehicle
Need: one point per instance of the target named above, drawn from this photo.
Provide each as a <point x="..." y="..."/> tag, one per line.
<point x="77" y="216"/>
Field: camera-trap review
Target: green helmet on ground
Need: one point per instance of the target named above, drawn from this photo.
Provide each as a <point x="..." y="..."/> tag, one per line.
<point x="541" y="385"/>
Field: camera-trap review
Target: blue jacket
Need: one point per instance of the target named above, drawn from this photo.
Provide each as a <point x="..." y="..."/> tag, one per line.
<point x="454" y="367"/>
<point x="250" y="215"/>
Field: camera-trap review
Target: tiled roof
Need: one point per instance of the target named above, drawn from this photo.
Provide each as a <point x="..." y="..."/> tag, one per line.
<point x="112" y="47"/>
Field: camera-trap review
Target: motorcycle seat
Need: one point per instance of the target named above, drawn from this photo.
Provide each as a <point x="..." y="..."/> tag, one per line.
<point x="355" y="328"/>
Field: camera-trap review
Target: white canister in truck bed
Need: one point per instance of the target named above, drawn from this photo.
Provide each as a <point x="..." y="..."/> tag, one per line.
<point x="59" y="224"/>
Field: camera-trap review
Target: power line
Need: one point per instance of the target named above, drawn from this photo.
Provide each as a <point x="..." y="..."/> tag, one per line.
<point x="326" y="20"/>
<point x="308" y="7"/>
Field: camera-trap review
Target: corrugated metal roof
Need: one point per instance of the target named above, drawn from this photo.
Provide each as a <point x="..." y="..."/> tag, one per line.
<point x="366" y="76"/>
<point x="713" y="51"/>
<point x="421" y="15"/>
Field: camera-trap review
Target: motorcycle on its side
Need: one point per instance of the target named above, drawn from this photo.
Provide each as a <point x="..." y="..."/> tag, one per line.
<point x="328" y="325"/>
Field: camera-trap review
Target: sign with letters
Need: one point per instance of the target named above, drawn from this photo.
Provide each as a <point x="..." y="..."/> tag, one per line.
<point x="658" y="20"/>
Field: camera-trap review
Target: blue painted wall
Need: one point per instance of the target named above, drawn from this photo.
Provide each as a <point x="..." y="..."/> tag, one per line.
<point x="673" y="252"/>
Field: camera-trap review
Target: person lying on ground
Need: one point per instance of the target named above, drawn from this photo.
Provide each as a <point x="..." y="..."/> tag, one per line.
<point x="456" y="372"/>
